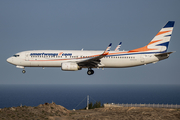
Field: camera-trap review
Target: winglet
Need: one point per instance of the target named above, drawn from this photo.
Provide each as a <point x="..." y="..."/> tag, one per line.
<point x="118" y="47"/>
<point x="107" y="49"/>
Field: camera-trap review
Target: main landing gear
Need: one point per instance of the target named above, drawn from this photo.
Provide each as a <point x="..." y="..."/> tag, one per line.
<point x="90" y="71"/>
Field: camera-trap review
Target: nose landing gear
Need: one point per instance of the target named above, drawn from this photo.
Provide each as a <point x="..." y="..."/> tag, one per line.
<point x="23" y="71"/>
<point x="90" y="71"/>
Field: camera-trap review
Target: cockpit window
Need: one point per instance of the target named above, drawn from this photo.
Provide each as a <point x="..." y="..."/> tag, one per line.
<point x="16" y="55"/>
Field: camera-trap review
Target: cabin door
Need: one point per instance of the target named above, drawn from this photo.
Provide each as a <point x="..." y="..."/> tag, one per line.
<point x="26" y="56"/>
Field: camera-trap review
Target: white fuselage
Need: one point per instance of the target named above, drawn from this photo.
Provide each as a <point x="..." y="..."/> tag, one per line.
<point x="54" y="58"/>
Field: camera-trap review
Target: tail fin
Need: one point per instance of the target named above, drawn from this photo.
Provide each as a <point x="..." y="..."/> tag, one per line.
<point x="160" y="42"/>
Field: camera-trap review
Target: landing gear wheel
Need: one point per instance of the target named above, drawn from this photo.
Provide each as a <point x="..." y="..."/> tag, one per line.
<point x="90" y="72"/>
<point x="23" y="71"/>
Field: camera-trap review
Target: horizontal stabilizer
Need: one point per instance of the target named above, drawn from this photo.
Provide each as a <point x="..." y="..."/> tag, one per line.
<point x="164" y="54"/>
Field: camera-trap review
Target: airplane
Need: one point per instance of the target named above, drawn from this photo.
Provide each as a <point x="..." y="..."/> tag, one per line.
<point x="73" y="60"/>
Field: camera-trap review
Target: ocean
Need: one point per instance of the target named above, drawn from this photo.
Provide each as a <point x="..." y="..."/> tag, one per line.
<point x="74" y="96"/>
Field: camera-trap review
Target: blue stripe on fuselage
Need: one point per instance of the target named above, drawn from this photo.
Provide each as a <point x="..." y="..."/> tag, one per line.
<point x="135" y="53"/>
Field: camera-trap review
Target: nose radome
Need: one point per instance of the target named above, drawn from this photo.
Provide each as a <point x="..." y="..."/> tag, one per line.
<point x="9" y="60"/>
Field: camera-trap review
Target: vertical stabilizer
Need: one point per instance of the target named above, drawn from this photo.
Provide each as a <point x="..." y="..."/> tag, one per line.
<point x="160" y="42"/>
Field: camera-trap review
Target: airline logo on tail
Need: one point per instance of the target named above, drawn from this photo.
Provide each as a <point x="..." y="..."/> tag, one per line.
<point x="160" y="42"/>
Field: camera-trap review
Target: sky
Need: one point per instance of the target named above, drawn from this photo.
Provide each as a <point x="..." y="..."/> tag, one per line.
<point x="91" y="25"/>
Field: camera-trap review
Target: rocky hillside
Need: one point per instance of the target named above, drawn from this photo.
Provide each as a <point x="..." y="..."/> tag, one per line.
<point x="43" y="111"/>
<point x="52" y="111"/>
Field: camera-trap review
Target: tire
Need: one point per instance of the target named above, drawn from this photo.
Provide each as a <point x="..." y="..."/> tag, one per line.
<point x="23" y="71"/>
<point x="90" y="72"/>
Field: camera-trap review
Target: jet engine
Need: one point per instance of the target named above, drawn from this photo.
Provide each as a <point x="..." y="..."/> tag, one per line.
<point x="70" y="66"/>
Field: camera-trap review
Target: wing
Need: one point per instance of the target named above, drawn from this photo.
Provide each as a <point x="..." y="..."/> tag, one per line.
<point x="94" y="61"/>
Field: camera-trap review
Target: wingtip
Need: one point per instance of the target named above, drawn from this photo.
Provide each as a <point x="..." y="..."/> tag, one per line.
<point x="110" y="44"/>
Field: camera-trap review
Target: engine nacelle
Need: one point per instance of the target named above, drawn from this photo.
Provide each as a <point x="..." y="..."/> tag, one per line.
<point x="70" y="66"/>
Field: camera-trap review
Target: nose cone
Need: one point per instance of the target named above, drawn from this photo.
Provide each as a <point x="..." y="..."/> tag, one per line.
<point x="9" y="60"/>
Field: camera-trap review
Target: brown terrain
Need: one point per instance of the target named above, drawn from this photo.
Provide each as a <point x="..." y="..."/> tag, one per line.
<point x="51" y="111"/>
